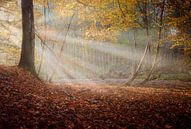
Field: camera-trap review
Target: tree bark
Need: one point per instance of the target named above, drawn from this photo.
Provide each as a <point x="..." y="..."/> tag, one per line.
<point x="28" y="39"/>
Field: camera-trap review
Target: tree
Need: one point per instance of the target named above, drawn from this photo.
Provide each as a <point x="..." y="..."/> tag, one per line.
<point x="179" y="19"/>
<point x="143" y="8"/>
<point x="28" y="39"/>
<point x="158" y="43"/>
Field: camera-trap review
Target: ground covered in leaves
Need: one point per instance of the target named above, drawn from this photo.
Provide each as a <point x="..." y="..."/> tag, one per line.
<point x="26" y="103"/>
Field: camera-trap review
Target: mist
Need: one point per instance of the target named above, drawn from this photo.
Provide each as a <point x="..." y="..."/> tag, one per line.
<point x="84" y="60"/>
<point x="64" y="54"/>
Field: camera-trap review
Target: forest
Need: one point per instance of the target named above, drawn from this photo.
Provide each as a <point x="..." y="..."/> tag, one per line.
<point x="95" y="64"/>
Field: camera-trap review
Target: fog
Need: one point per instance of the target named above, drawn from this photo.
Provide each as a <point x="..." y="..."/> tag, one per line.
<point x="63" y="54"/>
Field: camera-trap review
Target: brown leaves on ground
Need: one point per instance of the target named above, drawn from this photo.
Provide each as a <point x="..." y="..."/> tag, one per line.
<point x="26" y="103"/>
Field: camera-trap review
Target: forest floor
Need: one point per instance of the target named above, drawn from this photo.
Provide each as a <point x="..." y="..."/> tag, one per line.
<point x="27" y="103"/>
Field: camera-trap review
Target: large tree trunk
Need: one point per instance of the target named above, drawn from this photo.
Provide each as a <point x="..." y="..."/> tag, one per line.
<point x="28" y="40"/>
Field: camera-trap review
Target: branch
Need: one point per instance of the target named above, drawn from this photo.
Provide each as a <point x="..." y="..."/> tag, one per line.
<point x="68" y="28"/>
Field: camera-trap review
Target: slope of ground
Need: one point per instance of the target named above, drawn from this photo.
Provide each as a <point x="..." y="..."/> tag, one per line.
<point x="26" y="103"/>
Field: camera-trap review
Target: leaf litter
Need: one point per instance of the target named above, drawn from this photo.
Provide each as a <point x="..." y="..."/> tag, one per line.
<point x="27" y="103"/>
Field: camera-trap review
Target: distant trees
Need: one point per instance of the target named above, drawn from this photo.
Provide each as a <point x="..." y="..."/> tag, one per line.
<point x="179" y="12"/>
<point x="104" y="20"/>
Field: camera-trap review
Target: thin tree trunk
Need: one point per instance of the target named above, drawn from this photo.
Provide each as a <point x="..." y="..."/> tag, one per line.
<point x="45" y="35"/>
<point x="62" y="47"/>
<point x="158" y="44"/>
<point x="54" y="54"/>
<point x="28" y="41"/>
<point x="134" y="51"/>
<point x="139" y="66"/>
<point x="146" y="21"/>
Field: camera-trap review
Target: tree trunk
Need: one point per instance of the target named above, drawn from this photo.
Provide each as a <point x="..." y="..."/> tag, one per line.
<point x="139" y="65"/>
<point x="62" y="47"/>
<point x="45" y="35"/>
<point x="158" y="44"/>
<point x="28" y="40"/>
<point x="146" y="24"/>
